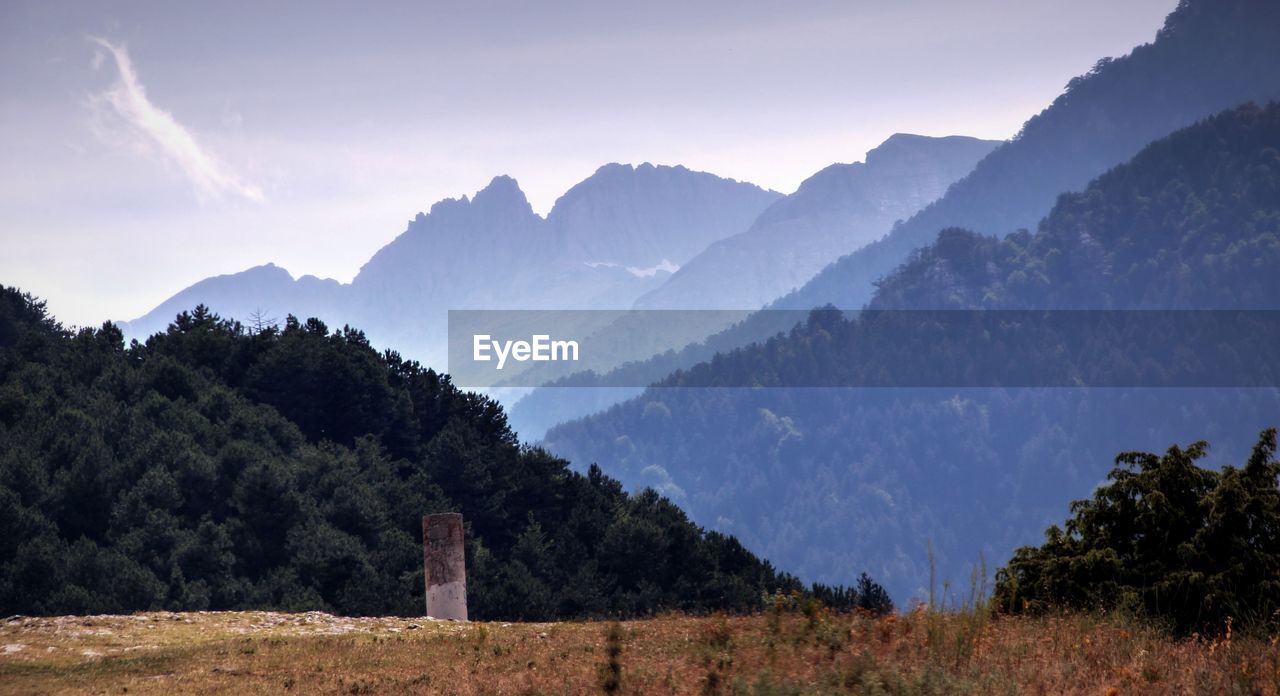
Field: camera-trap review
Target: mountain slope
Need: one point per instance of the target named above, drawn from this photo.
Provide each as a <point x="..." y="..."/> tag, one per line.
<point x="816" y="478"/>
<point x="1209" y="56"/>
<point x="651" y="217"/>
<point x="834" y="211"/>
<point x="1192" y="221"/>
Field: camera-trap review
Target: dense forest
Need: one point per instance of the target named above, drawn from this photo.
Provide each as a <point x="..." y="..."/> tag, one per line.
<point x="879" y="475"/>
<point x="219" y="466"/>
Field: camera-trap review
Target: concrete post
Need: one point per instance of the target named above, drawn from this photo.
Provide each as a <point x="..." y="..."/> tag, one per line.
<point x="445" y="563"/>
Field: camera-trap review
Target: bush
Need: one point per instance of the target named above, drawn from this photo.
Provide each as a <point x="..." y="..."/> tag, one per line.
<point x="1190" y="547"/>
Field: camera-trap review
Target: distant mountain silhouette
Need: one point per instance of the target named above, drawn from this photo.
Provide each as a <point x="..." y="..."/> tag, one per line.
<point x="260" y="291"/>
<point x="607" y="240"/>
<point x="835" y="211"/>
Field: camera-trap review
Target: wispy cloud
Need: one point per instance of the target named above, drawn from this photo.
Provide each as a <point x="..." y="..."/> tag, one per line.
<point x="127" y="98"/>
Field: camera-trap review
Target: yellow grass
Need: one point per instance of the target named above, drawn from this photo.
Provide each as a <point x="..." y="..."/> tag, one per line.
<point x="774" y="652"/>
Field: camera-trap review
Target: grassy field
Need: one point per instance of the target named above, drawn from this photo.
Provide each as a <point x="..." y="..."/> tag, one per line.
<point x="775" y="652"/>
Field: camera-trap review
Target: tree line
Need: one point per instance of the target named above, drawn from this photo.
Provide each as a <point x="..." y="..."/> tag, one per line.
<point x="288" y="467"/>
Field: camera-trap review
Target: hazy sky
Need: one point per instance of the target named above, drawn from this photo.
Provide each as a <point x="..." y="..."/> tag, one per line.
<point x="144" y="146"/>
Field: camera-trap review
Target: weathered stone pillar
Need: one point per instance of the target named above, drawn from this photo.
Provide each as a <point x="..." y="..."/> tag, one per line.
<point x="445" y="563"/>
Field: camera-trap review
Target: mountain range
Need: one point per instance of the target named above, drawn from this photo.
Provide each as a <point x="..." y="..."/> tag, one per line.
<point x="1209" y="56"/>
<point x="821" y="478"/>
<point x="837" y="209"/>
<point x="617" y="235"/>
<point x="607" y="240"/>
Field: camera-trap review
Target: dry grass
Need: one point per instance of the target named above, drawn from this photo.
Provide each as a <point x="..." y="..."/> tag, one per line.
<point x="777" y="652"/>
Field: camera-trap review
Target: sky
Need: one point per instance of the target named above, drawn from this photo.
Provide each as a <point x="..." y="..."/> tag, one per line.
<point x="147" y="145"/>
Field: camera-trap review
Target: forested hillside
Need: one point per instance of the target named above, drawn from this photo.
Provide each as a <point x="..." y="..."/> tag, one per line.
<point x="1210" y="55"/>
<point x="1191" y="222"/>
<point x="219" y="467"/>
<point x="816" y="477"/>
